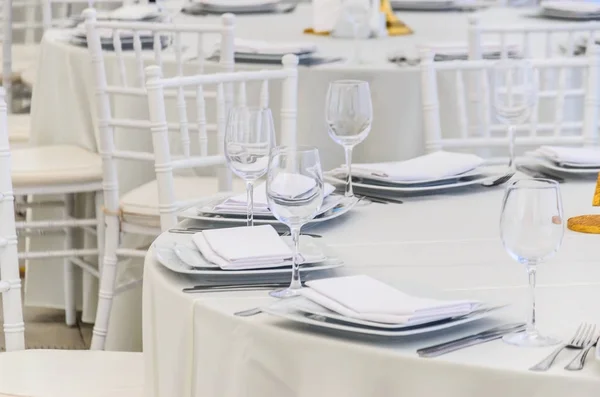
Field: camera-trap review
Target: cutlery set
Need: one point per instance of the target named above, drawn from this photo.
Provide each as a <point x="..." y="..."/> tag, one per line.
<point x="584" y="339"/>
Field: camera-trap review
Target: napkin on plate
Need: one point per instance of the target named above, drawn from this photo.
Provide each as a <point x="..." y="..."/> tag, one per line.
<point x="301" y="185"/>
<point x="574" y="155"/>
<point x="135" y="12"/>
<point x="270" y="47"/>
<point x="246" y="247"/>
<point x="429" y="167"/>
<point x="365" y="298"/>
<point x="583" y="7"/>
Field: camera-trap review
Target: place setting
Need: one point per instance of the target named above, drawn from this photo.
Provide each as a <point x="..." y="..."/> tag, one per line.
<point x="272" y="52"/>
<point x="349" y="115"/>
<point x="569" y="10"/>
<point x="208" y="7"/>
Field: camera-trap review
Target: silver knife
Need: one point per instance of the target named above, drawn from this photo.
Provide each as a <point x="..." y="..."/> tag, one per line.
<point x="471" y="340"/>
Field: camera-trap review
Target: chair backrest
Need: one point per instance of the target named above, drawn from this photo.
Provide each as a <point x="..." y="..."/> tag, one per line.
<point x="124" y="87"/>
<point x="10" y="282"/>
<point x="477" y="126"/>
<point x="533" y="41"/>
<point x="165" y="164"/>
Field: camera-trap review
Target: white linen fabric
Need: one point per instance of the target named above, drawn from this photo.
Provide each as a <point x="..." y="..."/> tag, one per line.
<point x="365" y="298"/>
<point x="64" y="111"/>
<point x="247" y="247"/>
<point x="325" y="14"/>
<point x="428" y="167"/>
<point x="582" y="156"/>
<point x="444" y="258"/>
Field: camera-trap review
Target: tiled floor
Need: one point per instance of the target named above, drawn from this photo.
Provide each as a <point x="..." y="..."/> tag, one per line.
<point x="46" y="329"/>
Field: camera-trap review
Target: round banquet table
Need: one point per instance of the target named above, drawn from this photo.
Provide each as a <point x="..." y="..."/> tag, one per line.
<point x="443" y="246"/>
<point x="63" y="109"/>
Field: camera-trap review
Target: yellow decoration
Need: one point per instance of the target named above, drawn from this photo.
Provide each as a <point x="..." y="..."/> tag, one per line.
<point x="588" y="223"/>
<point x="395" y="27"/>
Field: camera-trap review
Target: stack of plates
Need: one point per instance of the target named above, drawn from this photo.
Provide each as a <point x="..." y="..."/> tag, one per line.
<point x="424" y="5"/>
<point x="575" y="10"/>
<point x="137" y="13"/>
<point x="232" y="6"/>
<point x="431" y="173"/>
<point x="178" y="253"/>
<point x="565" y="160"/>
<point x="206" y="210"/>
<point x="257" y="51"/>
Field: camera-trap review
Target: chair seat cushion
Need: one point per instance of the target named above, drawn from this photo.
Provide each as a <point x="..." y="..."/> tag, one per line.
<point x="71" y="373"/>
<point x="53" y="165"/>
<point x="24" y="56"/>
<point x="141" y="203"/>
<point x="18" y="128"/>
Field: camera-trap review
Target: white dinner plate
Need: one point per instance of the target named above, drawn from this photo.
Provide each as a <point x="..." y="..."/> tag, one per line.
<point x="427" y="5"/>
<point x="286" y="309"/>
<point x="329" y="202"/>
<point x="551" y="165"/>
<point x="343" y="207"/>
<point x="375" y="179"/>
<point x="445" y="184"/>
<point x="165" y="255"/>
<point x="305" y="305"/>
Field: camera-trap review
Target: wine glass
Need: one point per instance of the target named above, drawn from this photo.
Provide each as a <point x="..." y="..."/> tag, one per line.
<point x="358" y="13"/>
<point x="349" y="116"/>
<point x="532" y="229"/>
<point x="295" y="195"/>
<point x="515" y="95"/>
<point x="249" y="137"/>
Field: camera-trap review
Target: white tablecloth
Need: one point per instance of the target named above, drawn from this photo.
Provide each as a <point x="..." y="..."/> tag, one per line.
<point x="63" y="110"/>
<point x="447" y="246"/>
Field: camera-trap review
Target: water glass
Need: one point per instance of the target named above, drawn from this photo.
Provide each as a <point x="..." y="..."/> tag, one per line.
<point x="249" y="137"/>
<point x="515" y="96"/>
<point x="295" y="195"/>
<point x="358" y="13"/>
<point x="532" y="229"/>
<point x="349" y="115"/>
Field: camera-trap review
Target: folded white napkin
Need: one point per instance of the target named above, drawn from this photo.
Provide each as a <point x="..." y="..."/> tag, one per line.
<point x="365" y="298"/>
<point x="574" y="155"/>
<point x="292" y="184"/>
<point x="238" y="3"/>
<point x="325" y="14"/>
<point x="270" y="47"/>
<point x="572" y="6"/>
<point x="243" y="247"/>
<point x="429" y="167"/>
<point x="135" y="12"/>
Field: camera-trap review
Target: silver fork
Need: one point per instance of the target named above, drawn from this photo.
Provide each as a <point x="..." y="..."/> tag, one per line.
<point x="578" y="341"/>
<point x="577" y="363"/>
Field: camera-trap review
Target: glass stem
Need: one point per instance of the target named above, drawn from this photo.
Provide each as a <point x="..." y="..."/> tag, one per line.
<point x="357" y="55"/>
<point x="348" y="153"/>
<point x="250" y="203"/>
<point x="511" y="148"/>
<point x="531" y="272"/>
<point x="296" y="283"/>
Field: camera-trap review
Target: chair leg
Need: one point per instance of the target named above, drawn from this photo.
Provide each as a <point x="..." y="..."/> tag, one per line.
<point x="108" y="277"/>
<point x="100" y="229"/>
<point x="68" y="267"/>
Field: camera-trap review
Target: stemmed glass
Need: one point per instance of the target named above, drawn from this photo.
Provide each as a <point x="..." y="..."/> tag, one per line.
<point x="249" y="137"/>
<point x="531" y="229"/>
<point x="349" y="115"/>
<point x="295" y="195"/>
<point x="515" y="95"/>
<point x="358" y="13"/>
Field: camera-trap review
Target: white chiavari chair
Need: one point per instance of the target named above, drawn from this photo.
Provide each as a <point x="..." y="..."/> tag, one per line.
<point x="137" y="211"/>
<point x="533" y="41"/>
<point x="65" y="373"/>
<point x="481" y="132"/>
<point x="64" y="171"/>
<point x="165" y="163"/>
